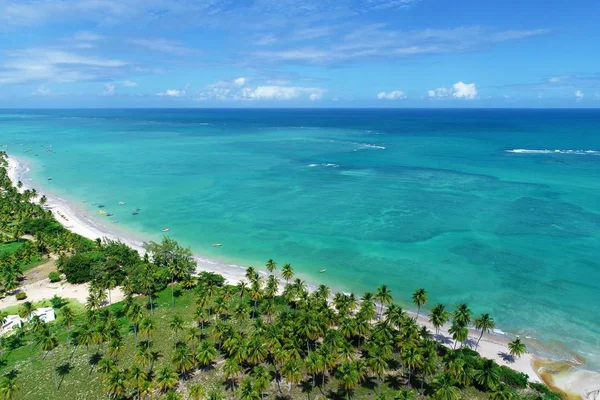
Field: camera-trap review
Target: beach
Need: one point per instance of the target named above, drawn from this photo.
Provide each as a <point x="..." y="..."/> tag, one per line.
<point x="491" y="346"/>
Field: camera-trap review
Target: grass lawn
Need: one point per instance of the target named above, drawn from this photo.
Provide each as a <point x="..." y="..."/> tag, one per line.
<point x="13" y="246"/>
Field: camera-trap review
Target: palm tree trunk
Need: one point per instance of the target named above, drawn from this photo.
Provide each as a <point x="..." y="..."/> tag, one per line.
<point x="480" y="336"/>
<point x="172" y="292"/>
<point x="418" y="311"/>
<point x="54" y="369"/>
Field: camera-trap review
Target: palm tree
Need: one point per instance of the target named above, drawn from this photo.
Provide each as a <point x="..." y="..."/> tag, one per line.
<point x="459" y="333"/>
<point x="487" y="375"/>
<point x="176" y="326"/>
<point x="419" y="297"/>
<point x="68" y="317"/>
<point x="271" y="265"/>
<point x="137" y="377"/>
<point x="49" y="343"/>
<point x="517" y="348"/>
<point x="412" y="359"/>
<point x="438" y="317"/>
<point x="262" y="379"/>
<point x="383" y="296"/>
<point x="231" y="368"/>
<point x="196" y="392"/>
<point x="116" y="383"/>
<point x="502" y="392"/>
<point x="348" y="377"/>
<point x="251" y="274"/>
<point x="313" y="364"/>
<point x="445" y="388"/>
<point x="292" y="372"/>
<point x="406" y="394"/>
<point x="26" y="310"/>
<point x="287" y="272"/>
<point x="377" y="362"/>
<point x="8" y="387"/>
<point x="147" y="327"/>
<point x="167" y="379"/>
<point x="172" y="395"/>
<point x="135" y="315"/>
<point x="484" y="323"/>
<point x="463" y="315"/>
<point x="460" y="371"/>
<point x="206" y="353"/>
<point x="183" y="360"/>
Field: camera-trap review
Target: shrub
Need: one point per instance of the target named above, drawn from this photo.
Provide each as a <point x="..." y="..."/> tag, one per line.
<point x="545" y="391"/>
<point x="58" y="302"/>
<point x="54" y="276"/>
<point x="78" y="268"/>
<point x="513" y="378"/>
<point x="205" y="277"/>
<point x="21" y="296"/>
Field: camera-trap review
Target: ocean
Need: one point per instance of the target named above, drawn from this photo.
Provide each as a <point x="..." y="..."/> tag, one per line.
<point x="496" y="208"/>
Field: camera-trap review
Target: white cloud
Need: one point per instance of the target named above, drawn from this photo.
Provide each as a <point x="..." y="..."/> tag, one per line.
<point x="464" y="90"/>
<point x="554" y="79"/>
<point x="42" y="90"/>
<point x="109" y="89"/>
<point x="162" y="45"/>
<point x="52" y="65"/>
<point x="241" y="81"/>
<point x="281" y="93"/>
<point x="129" y="83"/>
<point x="579" y="95"/>
<point x="438" y="93"/>
<point x="393" y="95"/>
<point x="173" y="93"/>
<point x="460" y="90"/>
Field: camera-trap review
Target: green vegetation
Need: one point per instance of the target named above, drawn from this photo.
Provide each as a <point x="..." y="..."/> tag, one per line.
<point x="177" y="335"/>
<point x="54" y="276"/>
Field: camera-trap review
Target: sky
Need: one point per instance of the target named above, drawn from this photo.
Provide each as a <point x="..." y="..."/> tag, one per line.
<point x="299" y="53"/>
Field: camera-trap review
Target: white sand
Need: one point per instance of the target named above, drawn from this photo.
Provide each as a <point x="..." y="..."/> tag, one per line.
<point x="491" y="346"/>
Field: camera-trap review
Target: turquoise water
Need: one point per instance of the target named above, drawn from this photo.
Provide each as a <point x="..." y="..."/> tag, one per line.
<point x="410" y="198"/>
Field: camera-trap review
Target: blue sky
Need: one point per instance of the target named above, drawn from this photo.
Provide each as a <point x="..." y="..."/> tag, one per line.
<point x="292" y="53"/>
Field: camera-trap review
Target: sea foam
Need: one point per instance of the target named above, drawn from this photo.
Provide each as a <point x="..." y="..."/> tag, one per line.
<point x="547" y="151"/>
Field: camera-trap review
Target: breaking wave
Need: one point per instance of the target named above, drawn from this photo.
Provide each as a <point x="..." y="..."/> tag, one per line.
<point x="547" y="151"/>
<point x="324" y="165"/>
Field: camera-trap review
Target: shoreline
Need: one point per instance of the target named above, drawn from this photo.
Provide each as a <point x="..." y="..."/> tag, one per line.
<point x="493" y="346"/>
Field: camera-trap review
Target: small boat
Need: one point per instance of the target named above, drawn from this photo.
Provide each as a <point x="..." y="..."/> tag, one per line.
<point x="101" y="212"/>
<point x="322" y="270"/>
<point x="109" y="215"/>
<point x="49" y="178"/>
<point x="115" y="221"/>
<point x="165" y="229"/>
<point x="121" y="203"/>
<point x="135" y="213"/>
<point x="217" y="245"/>
<point x="100" y="205"/>
<point x="138" y="209"/>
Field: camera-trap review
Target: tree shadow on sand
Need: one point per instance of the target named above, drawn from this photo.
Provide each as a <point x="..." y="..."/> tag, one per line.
<point x="62" y="371"/>
<point x="509" y="358"/>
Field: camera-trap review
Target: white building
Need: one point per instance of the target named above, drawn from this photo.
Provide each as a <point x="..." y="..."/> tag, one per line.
<point x="46" y="314"/>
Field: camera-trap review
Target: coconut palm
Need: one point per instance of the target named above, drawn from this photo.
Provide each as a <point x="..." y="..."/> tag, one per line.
<point x="438" y="317"/>
<point x="251" y="274"/>
<point x="484" y="323"/>
<point x="183" y="360"/>
<point x="348" y="377"/>
<point x="136" y="377"/>
<point x="517" y="348"/>
<point x="287" y="272"/>
<point x="116" y="383"/>
<point x="147" y="326"/>
<point x="262" y="379"/>
<point x="463" y="315"/>
<point x="419" y="297"/>
<point x="172" y="395"/>
<point x="176" y="326"/>
<point x="377" y="362"/>
<point x="231" y="368"/>
<point x="49" y="343"/>
<point x="167" y="379"/>
<point x="488" y="374"/>
<point x="206" y="353"/>
<point x="313" y="364"/>
<point x="384" y="296"/>
<point x="196" y="392"/>
<point x="271" y="265"/>
<point x="459" y="333"/>
<point x="445" y="388"/>
<point x="292" y="372"/>
<point x="68" y="317"/>
<point x="412" y="359"/>
<point x="26" y="310"/>
<point x="502" y="392"/>
<point x="8" y="387"/>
